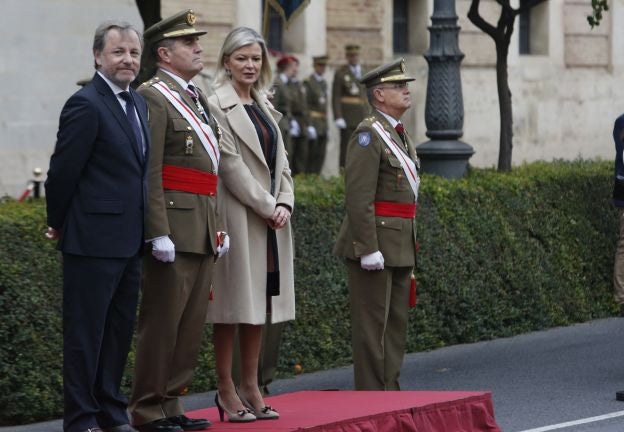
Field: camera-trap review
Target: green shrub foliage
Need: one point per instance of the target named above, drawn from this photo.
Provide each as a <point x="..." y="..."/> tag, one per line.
<point x="500" y="254"/>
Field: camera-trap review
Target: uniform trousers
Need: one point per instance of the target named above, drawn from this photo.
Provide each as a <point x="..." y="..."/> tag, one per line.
<point x="316" y="154"/>
<point x="170" y="329"/>
<point x="618" y="268"/>
<point x="300" y="148"/>
<point x="379" y="302"/>
<point x="100" y="298"/>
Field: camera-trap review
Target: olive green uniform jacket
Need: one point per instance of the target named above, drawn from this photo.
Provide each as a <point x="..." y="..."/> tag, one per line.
<point x="349" y="97"/>
<point x="189" y="219"/>
<point x="372" y="174"/>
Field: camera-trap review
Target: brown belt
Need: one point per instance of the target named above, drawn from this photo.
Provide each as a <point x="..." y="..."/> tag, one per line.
<point x="317" y="114"/>
<point x="352" y="100"/>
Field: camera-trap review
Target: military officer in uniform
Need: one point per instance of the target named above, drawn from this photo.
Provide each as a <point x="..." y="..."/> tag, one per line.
<point x="316" y="96"/>
<point x="378" y="234"/>
<point x="299" y="130"/>
<point x="180" y="227"/>
<point x="348" y="98"/>
<point x="281" y="100"/>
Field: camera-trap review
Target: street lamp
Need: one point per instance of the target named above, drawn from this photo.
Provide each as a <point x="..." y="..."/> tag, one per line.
<point x="444" y="154"/>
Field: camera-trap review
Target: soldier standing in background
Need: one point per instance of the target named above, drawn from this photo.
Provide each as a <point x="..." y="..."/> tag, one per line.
<point x="316" y="96"/>
<point x="299" y="130"/>
<point x="281" y="100"/>
<point x="349" y="98"/>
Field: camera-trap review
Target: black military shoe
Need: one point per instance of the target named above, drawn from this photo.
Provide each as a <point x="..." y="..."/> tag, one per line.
<point x="189" y="424"/>
<point x="160" y="425"/>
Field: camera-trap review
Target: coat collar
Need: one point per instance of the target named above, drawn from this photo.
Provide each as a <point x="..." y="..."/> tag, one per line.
<point x="394" y="134"/>
<point x="177" y="87"/>
<point x="240" y="124"/>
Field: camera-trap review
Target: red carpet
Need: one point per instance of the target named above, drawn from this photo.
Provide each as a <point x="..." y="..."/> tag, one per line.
<point x="351" y="411"/>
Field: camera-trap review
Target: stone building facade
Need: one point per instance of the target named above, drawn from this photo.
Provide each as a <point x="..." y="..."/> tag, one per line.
<point x="565" y="78"/>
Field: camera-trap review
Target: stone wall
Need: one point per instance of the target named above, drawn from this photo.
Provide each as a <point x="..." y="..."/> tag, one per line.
<point x="47" y="49"/>
<point x="565" y="100"/>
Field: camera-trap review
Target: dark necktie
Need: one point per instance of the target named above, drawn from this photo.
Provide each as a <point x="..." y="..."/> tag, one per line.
<point x="190" y="90"/>
<point x="401" y="131"/>
<point x="132" y="119"/>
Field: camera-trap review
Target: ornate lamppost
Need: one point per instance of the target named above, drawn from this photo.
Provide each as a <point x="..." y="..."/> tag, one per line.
<point x="444" y="154"/>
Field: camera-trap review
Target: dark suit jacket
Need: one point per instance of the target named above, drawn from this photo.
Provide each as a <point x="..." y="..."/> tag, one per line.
<point x="96" y="184"/>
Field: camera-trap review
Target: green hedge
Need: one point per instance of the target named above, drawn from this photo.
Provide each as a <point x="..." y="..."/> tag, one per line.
<point x="501" y="254"/>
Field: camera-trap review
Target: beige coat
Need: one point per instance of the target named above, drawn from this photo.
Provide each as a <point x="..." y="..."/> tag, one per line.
<point x="245" y="202"/>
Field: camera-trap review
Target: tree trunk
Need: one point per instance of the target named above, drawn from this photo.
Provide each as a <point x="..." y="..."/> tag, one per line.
<point x="504" y="105"/>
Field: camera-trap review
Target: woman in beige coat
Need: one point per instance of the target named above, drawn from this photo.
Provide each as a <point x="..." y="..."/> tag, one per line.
<point x="254" y="282"/>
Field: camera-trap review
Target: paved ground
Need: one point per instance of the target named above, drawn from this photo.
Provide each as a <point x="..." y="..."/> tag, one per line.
<point x="542" y="381"/>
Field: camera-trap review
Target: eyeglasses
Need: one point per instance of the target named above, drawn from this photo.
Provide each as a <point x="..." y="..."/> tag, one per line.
<point x="395" y="86"/>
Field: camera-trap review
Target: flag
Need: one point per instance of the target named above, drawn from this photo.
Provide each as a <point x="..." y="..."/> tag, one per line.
<point x="288" y="9"/>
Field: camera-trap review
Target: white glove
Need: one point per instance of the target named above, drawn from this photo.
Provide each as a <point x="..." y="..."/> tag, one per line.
<point x="312" y="133"/>
<point x="223" y="247"/>
<point x="295" y="129"/>
<point x="341" y="123"/>
<point x="163" y="249"/>
<point x="372" y="261"/>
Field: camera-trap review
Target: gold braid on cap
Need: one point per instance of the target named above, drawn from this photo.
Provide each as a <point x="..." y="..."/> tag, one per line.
<point x="393" y="77"/>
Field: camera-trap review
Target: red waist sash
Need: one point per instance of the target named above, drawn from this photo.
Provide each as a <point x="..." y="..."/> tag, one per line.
<point x="402" y="210"/>
<point x="189" y="180"/>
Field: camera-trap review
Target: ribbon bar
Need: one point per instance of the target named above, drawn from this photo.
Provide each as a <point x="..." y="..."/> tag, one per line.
<point x="189" y="180"/>
<point x="392" y="209"/>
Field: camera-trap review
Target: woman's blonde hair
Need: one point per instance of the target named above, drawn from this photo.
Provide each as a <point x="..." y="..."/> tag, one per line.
<point x="238" y="38"/>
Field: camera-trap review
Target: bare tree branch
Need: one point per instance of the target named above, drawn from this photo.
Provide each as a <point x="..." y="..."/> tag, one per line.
<point x="477" y="19"/>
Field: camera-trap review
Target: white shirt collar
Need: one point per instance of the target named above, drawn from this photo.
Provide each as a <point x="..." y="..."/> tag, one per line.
<point x="179" y="80"/>
<point x="114" y="87"/>
<point x="318" y="77"/>
<point x="283" y="78"/>
<point x="392" y="121"/>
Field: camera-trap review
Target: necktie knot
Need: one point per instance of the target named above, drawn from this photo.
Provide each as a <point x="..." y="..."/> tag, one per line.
<point x="126" y="97"/>
<point x="400" y="129"/>
<point x="190" y="90"/>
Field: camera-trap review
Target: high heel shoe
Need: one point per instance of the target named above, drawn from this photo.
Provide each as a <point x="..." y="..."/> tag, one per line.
<point x="240" y="416"/>
<point x="265" y="413"/>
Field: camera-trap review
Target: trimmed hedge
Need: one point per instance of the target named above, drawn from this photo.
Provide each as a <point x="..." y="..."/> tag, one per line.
<point x="501" y="254"/>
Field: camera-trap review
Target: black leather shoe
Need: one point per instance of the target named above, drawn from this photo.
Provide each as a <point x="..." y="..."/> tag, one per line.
<point x="160" y="425"/>
<point x="189" y="424"/>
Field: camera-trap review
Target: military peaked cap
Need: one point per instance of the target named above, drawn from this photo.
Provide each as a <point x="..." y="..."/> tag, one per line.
<point x="389" y="72"/>
<point x="352" y="49"/>
<point x="178" y="25"/>
<point x="320" y="60"/>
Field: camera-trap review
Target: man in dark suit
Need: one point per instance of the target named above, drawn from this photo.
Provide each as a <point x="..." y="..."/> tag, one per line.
<point x="378" y="233"/>
<point x="95" y="195"/>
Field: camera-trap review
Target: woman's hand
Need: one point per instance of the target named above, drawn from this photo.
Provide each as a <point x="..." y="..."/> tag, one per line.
<point x="280" y="217"/>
